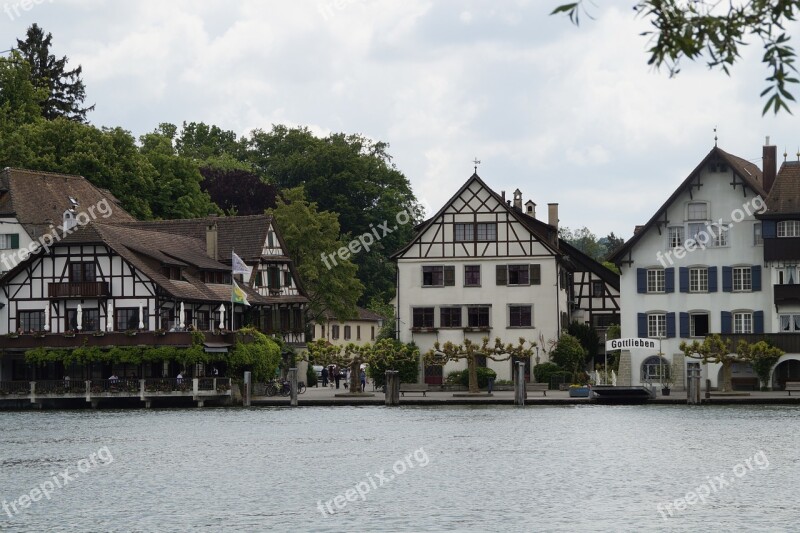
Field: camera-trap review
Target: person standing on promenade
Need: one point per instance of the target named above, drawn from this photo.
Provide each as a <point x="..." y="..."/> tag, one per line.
<point x="363" y="380"/>
<point x="337" y="376"/>
<point x="324" y="376"/>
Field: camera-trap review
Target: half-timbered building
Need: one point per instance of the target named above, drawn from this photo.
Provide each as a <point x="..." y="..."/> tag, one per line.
<point x="484" y="267"/>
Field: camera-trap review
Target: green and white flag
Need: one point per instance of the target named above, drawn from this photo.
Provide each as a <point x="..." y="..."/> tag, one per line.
<point x="238" y="296"/>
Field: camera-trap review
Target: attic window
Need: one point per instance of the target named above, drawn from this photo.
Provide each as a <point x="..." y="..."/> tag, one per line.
<point x="171" y="272"/>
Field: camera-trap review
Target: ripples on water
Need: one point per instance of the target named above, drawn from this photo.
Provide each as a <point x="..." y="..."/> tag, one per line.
<point x="571" y="468"/>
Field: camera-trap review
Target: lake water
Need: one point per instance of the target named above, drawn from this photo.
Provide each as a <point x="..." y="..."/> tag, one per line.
<point x="570" y="468"/>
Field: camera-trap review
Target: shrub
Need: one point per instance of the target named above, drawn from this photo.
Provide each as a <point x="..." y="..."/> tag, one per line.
<point x="483" y="376"/>
<point x="311" y="376"/>
<point x="454" y="377"/>
<point x="542" y="372"/>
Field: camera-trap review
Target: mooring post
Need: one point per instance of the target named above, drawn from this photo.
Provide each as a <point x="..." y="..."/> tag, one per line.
<point x="246" y="397"/>
<point x="519" y="385"/>
<point x="392" y="387"/>
<point x="693" y="394"/>
<point x="293" y="383"/>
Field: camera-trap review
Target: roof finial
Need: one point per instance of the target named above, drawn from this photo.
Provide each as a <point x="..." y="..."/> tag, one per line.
<point x="715" y="136"/>
<point x="784" y="154"/>
<point x="476" y="162"/>
<point x="798" y="153"/>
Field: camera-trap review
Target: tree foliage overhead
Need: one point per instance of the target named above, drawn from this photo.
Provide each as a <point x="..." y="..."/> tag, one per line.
<point x="714" y="30"/>
<point x="309" y="232"/>
<point x="19" y="98"/>
<point x="587" y="242"/>
<point x="65" y="91"/>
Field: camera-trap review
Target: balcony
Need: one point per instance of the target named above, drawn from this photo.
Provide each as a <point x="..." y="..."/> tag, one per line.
<point x="781" y="249"/>
<point x="788" y="342"/>
<point x="786" y="294"/>
<point x="85" y="289"/>
<point x="178" y="339"/>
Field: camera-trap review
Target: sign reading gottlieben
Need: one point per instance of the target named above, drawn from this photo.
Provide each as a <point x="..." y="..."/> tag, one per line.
<point x="623" y="344"/>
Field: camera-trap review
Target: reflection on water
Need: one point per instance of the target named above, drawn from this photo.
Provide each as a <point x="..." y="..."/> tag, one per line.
<point x="493" y="468"/>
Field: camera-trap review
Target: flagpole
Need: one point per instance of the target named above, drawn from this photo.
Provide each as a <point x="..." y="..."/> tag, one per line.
<point x="233" y="284"/>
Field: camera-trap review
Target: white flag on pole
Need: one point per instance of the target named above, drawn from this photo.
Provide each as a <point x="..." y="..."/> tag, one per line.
<point x="238" y="266"/>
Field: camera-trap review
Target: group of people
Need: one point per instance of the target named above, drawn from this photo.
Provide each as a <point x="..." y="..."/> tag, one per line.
<point x="334" y="374"/>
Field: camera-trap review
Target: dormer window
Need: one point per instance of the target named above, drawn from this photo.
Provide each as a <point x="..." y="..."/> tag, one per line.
<point x="697" y="211"/>
<point x="69" y="220"/>
<point x="171" y="272"/>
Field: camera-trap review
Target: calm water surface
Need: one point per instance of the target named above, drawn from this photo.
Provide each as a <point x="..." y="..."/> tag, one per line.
<point x="572" y="468"/>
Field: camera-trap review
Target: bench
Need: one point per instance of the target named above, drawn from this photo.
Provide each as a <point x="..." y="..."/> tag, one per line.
<point x="537" y="387"/>
<point x="413" y="387"/>
<point x="792" y="386"/>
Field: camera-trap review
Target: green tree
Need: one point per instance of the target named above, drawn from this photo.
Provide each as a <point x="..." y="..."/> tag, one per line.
<point x="308" y="234"/>
<point x="762" y="357"/>
<point x="714" y="349"/>
<point x="65" y="89"/>
<point x="587" y="336"/>
<point x="584" y="240"/>
<point x="569" y="354"/>
<point x="441" y="354"/>
<point x="696" y="29"/>
<point x="386" y="311"/>
<point x="19" y="98"/>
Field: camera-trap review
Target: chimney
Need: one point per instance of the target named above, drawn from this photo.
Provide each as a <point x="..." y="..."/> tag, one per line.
<point x="530" y="208"/>
<point x="552" y="215"/>
<point x="769" y="162"/>
<point x="212" y="241"/>
<point x="503" y="194"/>
<point x="518" y="200"/>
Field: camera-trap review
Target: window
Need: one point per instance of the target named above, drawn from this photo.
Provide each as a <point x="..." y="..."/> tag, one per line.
<point x="472" y="276"/>
<point x="203" y="323"/>
<point x="171" y="272"/>
<point x="433" y="276"/>
<point x="698" y="324"/>
<point x="789" y="228"/>
<point x="655" y="280"/>
<point x="698" y="279"/>
<point x="450" y="317"/>
<point x="287" y="278"/>
<point x="487" y="231"/>
<point x="696" y="229"/>
<point x="90" y="319"/>
<point x="285" y="318"/>
<point x="274" y="278"/>
<point x="743" y="322"/>
<point x="334" y="332"/>
<point x="519" y="316"/>
<point x="358" y="333"/>
<point x="347" y="333"/>
<point x="790" y="323"/>
<point x="9" y="241"/>
<point x="720" y="232"/>
<point x="481" y="231"/>
<point x="697" y="211"/>
<point x="657" y="325"/>
<point x="518" y="275"/>
<point x="82" y="272"/>
<point x="598" y="289"/>
<point x="653" y="366"/>
<point x="742" y="279"/>
<point x="373" y="332"/>
<point x="675" y="236"/>
<point x="465" y="232"/>
<point x="758" y="238"/>
<point x="128" y="319"/>
<point x="422" y="317"/>
<point x="31" y="320"/>
<point x="787" y="275"/>
<point x="478" y="317"/>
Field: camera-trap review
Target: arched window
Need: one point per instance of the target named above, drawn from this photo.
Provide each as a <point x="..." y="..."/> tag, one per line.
<point x="652" y="367"/>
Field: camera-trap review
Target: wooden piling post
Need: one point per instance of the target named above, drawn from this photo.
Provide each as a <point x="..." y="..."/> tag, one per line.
<point x="293" y="384"/>
<point x="247" y="389"/>
<point x="392" y="387"/>
<point x="519" y="385"/>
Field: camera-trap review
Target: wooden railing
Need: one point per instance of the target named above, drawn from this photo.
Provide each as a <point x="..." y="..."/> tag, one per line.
<point x="85" y="289"/>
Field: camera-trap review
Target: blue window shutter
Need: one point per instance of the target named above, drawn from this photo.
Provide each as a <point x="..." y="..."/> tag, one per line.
<point x="641" y="318"/>
<point x="768" y="229"/>
<point x="727" y="279"/>
<point x="669" y="279"/>
<point x="755" y="273"/>
<point x="684" y="325"/>
<point x="712" y="279"/>
<point x="758" y="322"/>
<point x="641" y="280"/>
<point x="683" y="274"/>
<point x="727" y="322"/>
<point x="670" y="325"/>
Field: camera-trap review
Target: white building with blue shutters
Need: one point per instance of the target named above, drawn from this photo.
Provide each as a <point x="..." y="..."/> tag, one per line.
<point x="695" y="268"/>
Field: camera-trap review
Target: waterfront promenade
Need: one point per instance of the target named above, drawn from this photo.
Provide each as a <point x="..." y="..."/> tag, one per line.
<point x="318" y="396"/>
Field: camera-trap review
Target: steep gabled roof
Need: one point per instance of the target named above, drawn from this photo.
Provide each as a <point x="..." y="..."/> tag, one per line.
<point x="784" y="198"/>
<point x="361" y="314"/>
<point x="590" y="264"/>
<point x="545" y="233"/>
<point x="749" y="173"/>
<point x="38" y="199"/>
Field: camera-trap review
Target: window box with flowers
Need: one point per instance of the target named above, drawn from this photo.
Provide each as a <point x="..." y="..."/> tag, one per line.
<point x="579" y="391"/>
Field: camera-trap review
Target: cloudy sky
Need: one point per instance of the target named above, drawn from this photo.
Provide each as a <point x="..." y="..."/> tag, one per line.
<point x="568" y="115"/>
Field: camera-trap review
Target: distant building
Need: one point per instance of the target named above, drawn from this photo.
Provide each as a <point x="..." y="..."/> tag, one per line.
<point x="362" y="329"/>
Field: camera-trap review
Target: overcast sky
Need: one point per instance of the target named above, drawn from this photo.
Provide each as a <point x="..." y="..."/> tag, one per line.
<point x="568" y="115"/>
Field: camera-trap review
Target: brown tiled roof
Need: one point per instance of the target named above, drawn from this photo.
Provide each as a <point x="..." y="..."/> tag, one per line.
<point x="784" y="198"/>
<point x="362" y="314"/>
<point x="38" y="199"/>
<point x="245" y="235"/>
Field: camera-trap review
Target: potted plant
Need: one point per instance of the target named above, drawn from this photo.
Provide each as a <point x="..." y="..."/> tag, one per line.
<point x="99" y="333"/>
<point x="665" y="377"/>
<point x="576" y="390"/>
<point x="70" y="334"/>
